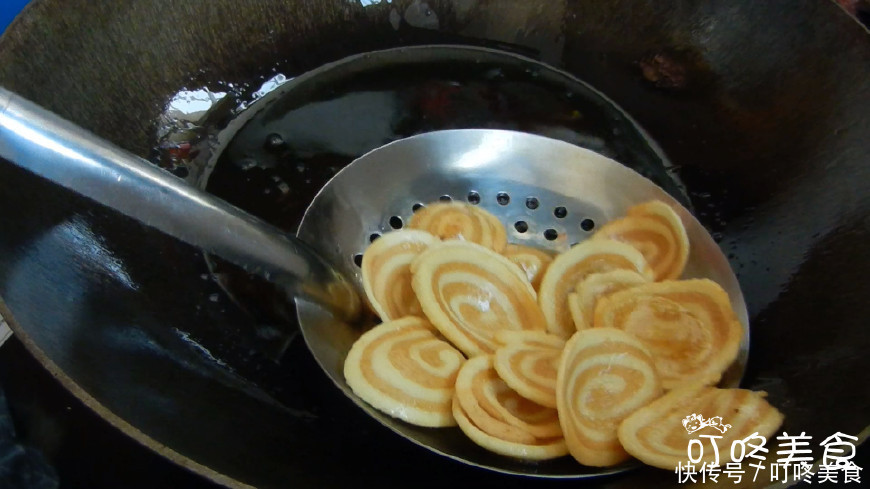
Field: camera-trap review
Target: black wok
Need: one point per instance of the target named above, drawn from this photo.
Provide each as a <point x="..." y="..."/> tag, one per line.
<point x="762" y="106"/>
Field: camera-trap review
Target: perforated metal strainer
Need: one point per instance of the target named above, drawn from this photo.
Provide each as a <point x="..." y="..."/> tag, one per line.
<point x="548" y="193"/>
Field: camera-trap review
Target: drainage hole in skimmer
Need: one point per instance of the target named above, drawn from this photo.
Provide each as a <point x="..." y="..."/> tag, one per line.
<point x="445" y="198"/>
<point x="473" y="198"/>
<point x="373" y="237"/>
<point x="551" y="234"/>
<point x="587" y="224"/>
<point x="416" y="207"/>
<point x="560" y="212"/>
<point x="532" y="203"/>
<point x="357" y="259"/>
<point x="396" y="222"/>
<point x="503" y="198"/>
<point x="521" y="226"/>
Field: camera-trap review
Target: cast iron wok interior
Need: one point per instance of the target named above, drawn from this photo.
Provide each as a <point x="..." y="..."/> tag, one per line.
<point x="761" y="105"/>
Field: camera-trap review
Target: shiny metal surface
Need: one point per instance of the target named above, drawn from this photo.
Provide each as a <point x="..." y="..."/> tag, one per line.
<point x="66" y="154"/>
<point x="364" y="197"/>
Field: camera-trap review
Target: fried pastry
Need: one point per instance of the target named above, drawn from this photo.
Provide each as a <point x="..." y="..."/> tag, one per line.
<point x="657" y="232"/>
<point x="532" y="260"/>
<point x="688" y="326"/>
<point x="497" y="418"/>
<point x="403" y="369"/>
<point x="604" y="375"/>
<point x="527" y="362"/>
<point x="457" y="220"/>
<point x="470" y="292"/>
<point x="656" y="434"/>
<point x="582" y="301"/>
<point x="386" y="272"/>
<point x="569" y="268"/>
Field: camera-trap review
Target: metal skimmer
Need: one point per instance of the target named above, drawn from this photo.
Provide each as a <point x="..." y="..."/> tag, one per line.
<point x="548" y="193"/>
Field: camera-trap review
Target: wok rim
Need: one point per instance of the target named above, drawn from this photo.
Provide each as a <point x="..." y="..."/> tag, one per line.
<point x="109" y="416"/>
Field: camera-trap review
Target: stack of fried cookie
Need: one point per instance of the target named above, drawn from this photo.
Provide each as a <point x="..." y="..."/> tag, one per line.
<point x="596" y="352"/>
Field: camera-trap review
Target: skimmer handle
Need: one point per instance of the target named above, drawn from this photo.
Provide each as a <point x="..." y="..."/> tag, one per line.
<point x="66" y="154"/>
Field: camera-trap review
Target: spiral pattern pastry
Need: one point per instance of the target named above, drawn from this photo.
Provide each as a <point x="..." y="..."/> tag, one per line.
<point x="456" y="220"/>
<point x="527" y="362"/>
<point x="470" y="292"/>
<point x="386" y="273"/>
<point x="689" y="327"/>
<point x="604" y="375"/>
<point x="569" y="268"/>
<point x="657" y="435"/>
<point x="657" y="232"/>
<point x="497" y="418"/>
<point x="403" y="369"/>
<point x="581" y="302"/>
<point x="532" y="260"/>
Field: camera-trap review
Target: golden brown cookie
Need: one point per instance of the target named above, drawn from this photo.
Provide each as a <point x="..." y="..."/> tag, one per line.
<point x="401" y="368"/>
<point x="532" y="260"/>
<point x="582" y="301"/>
<point x="470" y="292"/>
<point x="605" y="375"/>
<point x="527" y="362"/>
<point x="689" y="327"/>
<point x="657" y="232"/>
<point x="386" y="272"/>
<point x="457" y="220"/>
<point x="658" y="434"/>
<point x="500" y="420"/>
<point x="569" y="268"/>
